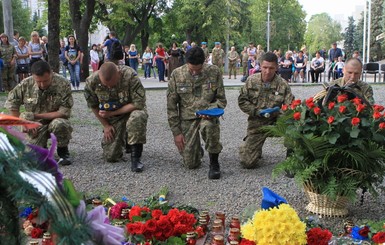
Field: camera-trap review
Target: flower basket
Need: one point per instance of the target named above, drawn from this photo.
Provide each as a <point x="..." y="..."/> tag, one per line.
<point x="325" y="206"/>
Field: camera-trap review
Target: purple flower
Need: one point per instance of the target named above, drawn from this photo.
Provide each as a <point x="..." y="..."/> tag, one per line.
<point x="47" y="161"/>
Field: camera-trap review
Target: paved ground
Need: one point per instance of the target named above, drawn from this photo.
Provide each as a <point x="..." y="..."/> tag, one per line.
<point x="237" y="190"/>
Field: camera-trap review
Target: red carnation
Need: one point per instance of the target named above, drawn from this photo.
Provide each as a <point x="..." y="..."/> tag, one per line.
<point x="284" y="107"/>
<point x="246" y="242"/>
<point x="330" y="119"/>
<point x="360" y="107"/>
<point x="156" y="213"/>
<point x="317" y="236"/>
<point x="382" y="125"/>
<point x="356" y="101"/>
<point x="364" y="231"/>
<point x="331" y="105"/>
<point x="377" y="115"/>
<point x="297" y="116"/>
<point x="116" y="210"/>
<point x="379" y="237"/>
<point x="36" y="233"/>
<point x="342" y="109"/>
<point x="341" y="98"/>
<point x="355" y="121"/>
<point x="317" y="111"/>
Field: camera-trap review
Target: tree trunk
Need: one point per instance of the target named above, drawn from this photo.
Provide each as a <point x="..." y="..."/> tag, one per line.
<point x="8" y="19"/>
<point x="81" y="23"/>
<point x="54" y="34"/>
<point x="144" y="40"/>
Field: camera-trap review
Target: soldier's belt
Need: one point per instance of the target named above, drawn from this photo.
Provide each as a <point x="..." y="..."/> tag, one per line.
<point x="109" y="106"/>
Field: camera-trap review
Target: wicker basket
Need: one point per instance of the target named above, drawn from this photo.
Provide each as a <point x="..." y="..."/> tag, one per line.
<point x="323" y="205"/>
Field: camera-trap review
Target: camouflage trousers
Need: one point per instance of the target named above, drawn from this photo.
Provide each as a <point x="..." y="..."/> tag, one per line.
<point x="192" y="130"/>
<point x="8" y="77"/>
<point x="233" y="69"/>
<point x="134" y="126"/>
<point x="60" y="127"/>
<point x="251" y="150"/>
<point x="244" y="68"/>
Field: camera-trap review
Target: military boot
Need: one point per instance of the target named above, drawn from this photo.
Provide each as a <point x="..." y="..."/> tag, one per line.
<point x="64" y="155"/>
<point x="136" y="154"/>
<point x="128" y="148"/>
<point x="214" y="172"/>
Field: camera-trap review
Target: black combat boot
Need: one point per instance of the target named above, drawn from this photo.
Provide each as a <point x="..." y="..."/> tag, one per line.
<point x="136" y="153"/>
<point x="215" y="171"/>
<point x="64" y="155"/>
<point x="128" y="148"/>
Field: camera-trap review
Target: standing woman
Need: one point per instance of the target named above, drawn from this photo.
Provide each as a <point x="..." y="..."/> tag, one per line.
<point x="159" y="58"/>
<point x="35" y="49"/>
<point x="133" y="57"/>
<point x="8" y="54"/>
<point x="94" y="58"/>
<point x="22" y="69"/>
<point x="73" y="54"/>
<point x="175" y="58"/>
<point x="147" y="61"/>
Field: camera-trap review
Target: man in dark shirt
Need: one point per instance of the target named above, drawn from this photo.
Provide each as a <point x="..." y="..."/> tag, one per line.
<point x="334" y="52"/>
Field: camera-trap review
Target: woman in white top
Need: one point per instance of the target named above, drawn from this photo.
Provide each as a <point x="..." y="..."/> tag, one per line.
<point x="22" y="68"/>
<point x="317" y="66"/>
<point x="94" y="58"/>
<point x="35" y="49"/>
<point x="147" y="61"/>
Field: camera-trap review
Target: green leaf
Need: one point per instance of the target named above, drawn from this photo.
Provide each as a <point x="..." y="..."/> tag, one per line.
<point x="354" y="133"/>
<point x="333" y="137"/>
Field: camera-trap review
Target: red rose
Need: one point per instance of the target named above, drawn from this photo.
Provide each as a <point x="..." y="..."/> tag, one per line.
<point x="330" y="119"/>
<point x="284" y="107"/>
<point x="379" y="237"/>
<point x="310" y="103"/>
<point x="156" y="213"/>
<point x="163" y="223"/>
<point x="130" y="228"/>
<point x="317" y="111"/>
<point x="342" y="109"/>
<point x="135" y="211"/>
<point x="150" y="225"/>
<point x="317" y="236"/>
<point x="200" y="231"/>
<point x="36" y="233"/>
<point x="341" y="98"/>
<point x="377" y="115"/>
<point x="331" y="105"/>
<point x="382" y="125"/>
<point x="360" y="107"/>
<point x="297" y="116"/>
<point x="356" y="101"/>
<point x="364" y="231"/>
<point x="139" y="228"/>
<point x="355" y="121"/>
<point x="295" y="103"/>
<point x="246" y="242"/>
<point x="378" y="108"/>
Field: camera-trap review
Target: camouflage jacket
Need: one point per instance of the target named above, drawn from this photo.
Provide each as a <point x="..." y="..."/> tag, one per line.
<point x="206" y="52"/>
<point x="256" y="95"/>
<point x="128" y="90"/>
<point x="57" y="97"/>
<point x="7" y="52"/>
<point x="362" y="88"/>
<point x="233" y="56"/>
<point x="186" y="94"/>
<point x="217" y="56"/>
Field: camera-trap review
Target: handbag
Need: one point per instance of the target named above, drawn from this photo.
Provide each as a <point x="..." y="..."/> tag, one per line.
<point x="23" y="68"/>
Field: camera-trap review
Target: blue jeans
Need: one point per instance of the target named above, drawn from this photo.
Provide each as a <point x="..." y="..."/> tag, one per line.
<point x="147" y="70"/>
<point x="161" y="68"/>
<point x="134" y="64"/>
<point x="74" y="73"/>
<point x="64" y="69"/>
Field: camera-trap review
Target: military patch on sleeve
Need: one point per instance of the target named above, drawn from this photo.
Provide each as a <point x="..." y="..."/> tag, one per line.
<point x="140" y="92"/>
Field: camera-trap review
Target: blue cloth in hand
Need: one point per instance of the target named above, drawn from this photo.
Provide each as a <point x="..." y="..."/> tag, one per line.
<point x="268" y="110"/>
<point x="215" y="112"/>
<point x="271" y="199"/>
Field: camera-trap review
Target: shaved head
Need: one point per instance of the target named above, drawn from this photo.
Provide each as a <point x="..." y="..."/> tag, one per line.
<point x="352" y="70"/>
<point x="109" y="74"/>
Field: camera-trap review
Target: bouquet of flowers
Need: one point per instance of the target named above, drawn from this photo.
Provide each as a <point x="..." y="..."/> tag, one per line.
<point x="335" y="148"/>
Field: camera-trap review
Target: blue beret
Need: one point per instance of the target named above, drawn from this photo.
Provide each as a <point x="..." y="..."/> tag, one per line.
<point x="203" y="43"/>
<point x="217" y="43"/>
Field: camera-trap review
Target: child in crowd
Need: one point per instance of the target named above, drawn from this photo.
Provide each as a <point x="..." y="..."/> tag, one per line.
<point x="338" y="68"/>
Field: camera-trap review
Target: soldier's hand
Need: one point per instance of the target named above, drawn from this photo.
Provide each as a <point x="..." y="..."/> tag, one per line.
<point x="205" y="117"/>
<point x="32" y="131"/>
<point x="109" y="133"/>
<point x="179" y="142"/>
<point x="105" y="114"/>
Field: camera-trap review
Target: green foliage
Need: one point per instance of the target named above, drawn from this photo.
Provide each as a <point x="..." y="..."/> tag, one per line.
<point x="376" y="27"/>
<point x="21" y="18"/>
<point x="322" y="31"/>
<point x="349" y="37"/>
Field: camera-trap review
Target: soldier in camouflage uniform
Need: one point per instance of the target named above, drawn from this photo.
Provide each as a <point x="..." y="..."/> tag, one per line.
<point x="196" y="86"/>
<point x="47" y="99"/>
<point x="233" y="57"/>
<point x="205" y="51"/>
<point x="116" y="96"/>
<point x="9" y="55"/>
<point x="261" y="91"/>
<point x="352" y="73"/>
<point x="245" y="59"/>
<point x="217" y="56"/>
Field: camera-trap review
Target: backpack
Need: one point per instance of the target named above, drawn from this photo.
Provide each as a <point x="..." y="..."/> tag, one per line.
<point x="116" y="50"/>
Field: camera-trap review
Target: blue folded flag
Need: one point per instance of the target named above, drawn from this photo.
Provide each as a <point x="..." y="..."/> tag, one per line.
<point x="268" y="110"/>
<point x="215" y="112"/>
<point x="271" y="199"/>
